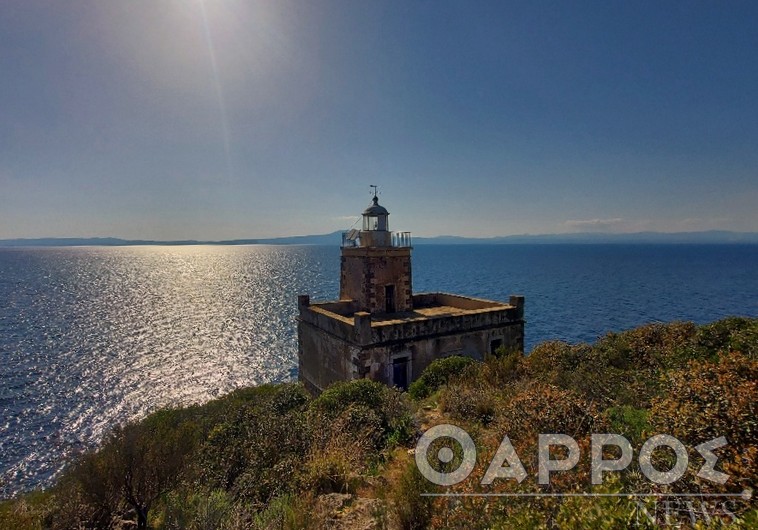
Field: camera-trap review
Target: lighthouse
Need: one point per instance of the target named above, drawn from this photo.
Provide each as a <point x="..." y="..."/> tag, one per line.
<point x="380" y="329"/>
<point x="375" y="271"/>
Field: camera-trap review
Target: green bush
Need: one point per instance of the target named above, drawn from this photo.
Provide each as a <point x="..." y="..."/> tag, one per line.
<point x="288" y="512"/>
<point x="652" y="346"/>
<point x="332" y="470"/>
<point x="603" y="513"/>
<point x="27" y="513"/>
<point x="338" y="396"/>
<point x="257" y="454"/>
<point x="194" y="510"/>
<point x="464" y="401"/>
<point x="628" y="421"/>
<point x="395" y="417"/>
<point x="553" y="356"/>
<point x="729" y="334"/>
<point x="594" y="372"/>
<point x="438" y="373"/>
<point x="342" y="448"/>
<point x="136" y="465"/>
<point x="411" y="510"/>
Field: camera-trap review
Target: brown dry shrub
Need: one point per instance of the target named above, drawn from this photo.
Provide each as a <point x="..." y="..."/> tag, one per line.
<point x="706" y="400"/>
<point x="543" y="408"/>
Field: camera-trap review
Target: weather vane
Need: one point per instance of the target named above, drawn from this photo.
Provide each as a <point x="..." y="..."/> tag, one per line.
<point x="376" y="189"/>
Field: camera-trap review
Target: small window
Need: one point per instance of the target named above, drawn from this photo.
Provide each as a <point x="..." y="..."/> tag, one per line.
<point x="389" y="298"/>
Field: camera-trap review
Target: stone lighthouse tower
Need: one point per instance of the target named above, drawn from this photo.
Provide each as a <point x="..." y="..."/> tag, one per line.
<point x="376" y="265"/>
<point x="379" y="329"/>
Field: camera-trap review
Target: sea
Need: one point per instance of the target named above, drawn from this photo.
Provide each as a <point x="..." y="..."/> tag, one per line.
<point x="91" y="337"/>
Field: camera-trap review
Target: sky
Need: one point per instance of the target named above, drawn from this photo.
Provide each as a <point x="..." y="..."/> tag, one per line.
<point x="223" y="119"/>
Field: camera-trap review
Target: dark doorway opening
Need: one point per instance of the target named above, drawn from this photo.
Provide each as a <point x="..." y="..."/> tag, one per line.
<point x="495" y="345"/>
<point x="389" y="298"/>
<point x="400" y="372"/>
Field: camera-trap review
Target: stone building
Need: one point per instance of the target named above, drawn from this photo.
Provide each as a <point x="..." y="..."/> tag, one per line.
<point x="379" y="329"/>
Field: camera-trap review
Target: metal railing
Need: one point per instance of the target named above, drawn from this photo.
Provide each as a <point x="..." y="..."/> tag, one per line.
<point x="401" y="239"/>
<point x="352" y="238"/>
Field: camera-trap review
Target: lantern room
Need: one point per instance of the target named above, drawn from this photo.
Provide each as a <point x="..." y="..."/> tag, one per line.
<point x="375" y="217"/>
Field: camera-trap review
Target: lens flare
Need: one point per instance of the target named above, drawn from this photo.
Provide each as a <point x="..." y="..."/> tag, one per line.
<point x="219" y="90"/>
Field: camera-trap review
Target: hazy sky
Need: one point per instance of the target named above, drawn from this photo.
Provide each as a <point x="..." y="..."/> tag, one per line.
<point x="238" y="118"/>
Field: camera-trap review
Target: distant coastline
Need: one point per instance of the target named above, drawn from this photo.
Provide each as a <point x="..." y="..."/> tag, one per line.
<point x="334" y="238"/>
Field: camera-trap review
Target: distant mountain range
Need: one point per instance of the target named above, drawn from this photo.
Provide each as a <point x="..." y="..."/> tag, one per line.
<point x="335" y="238"/>
<point x="712" y="236"/>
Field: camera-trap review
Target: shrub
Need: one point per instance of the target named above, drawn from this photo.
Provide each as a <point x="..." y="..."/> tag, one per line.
<point x="331" y="470"/>
<point x="395" y="418"/>
<point x="137" y="464"/>
<point x="438" y="373"/>
<point x="464" y="401"/>
<point x="257" y="455"/>
<point x="258" y="451"/>
<point x="26" y="513"/>
<point x="194" y="510"/>
<point x="706" y="400"/>
<point x="551" y="357"/>
<point x="357" y="426"/>
<point x="591" y="372"/>
<point x="338" y="396"/>
<point x="649" y="347"/>
<point x="342" y="448"/>
<point x="541" y="408"/>
<point x="287" y="512"/>
<point x="628" y="421"/>
<point x="501" y="371"/>
<point x="603" y="513"/>
<point x="411" y="510"/>
<point x="621" y="369"/>
<point x="726" y="335"/>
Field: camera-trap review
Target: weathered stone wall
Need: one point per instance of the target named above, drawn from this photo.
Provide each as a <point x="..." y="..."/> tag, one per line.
<point x="334" y="347"/>
<point x="324" y="358"/>
<point x="344" y="308"/>
<point x="453" y="300"/>
<point x="376" y="362"/>
<point x="402" y="331"/>
<point x="330" y="323"/>
<point x="366" y="271"/>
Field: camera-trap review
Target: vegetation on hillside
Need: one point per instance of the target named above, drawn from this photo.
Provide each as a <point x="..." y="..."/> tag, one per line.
<point x="273" y="457"/>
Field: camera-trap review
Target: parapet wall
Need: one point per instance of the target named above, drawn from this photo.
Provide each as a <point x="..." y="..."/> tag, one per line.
<point x="453" y="300"/>
<point x="332" y="323"/>
<point x="345" y="308"/>
<point x="337" y="343"/>
<point x="444" y="325"/>
<point x="339" y="319"/>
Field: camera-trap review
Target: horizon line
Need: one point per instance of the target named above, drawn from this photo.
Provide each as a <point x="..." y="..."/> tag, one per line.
<point x="440" y="236"/>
